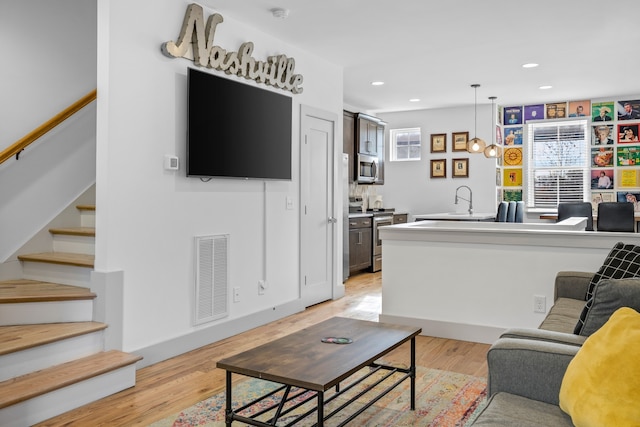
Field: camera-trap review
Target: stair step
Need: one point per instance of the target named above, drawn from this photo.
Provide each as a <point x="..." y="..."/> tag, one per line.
<point x="22" y="337"/>
<point x="34" y="347"/>
<point x="27" y="386"/>
<point x="87" y="215"/>
<point x="23" y="291"/>
<point x="61" y="258"/>
<point x="40" y="395"/>
<point x="74" y="231"/>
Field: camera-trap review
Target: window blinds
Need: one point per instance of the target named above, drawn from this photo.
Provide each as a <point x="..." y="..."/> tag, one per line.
<point x="557" y="163"/>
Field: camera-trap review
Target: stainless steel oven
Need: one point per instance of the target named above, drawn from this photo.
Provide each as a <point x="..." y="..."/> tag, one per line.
<point x="367" y="168"/>
<point x="379" y="220"/>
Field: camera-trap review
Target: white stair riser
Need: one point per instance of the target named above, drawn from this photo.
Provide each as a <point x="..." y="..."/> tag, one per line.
<point x="60" y="401"/>
<point x="74" y="244"/>
<point x="88" y="218"/>
<point x="46" y="312"/>
<point x="56" y="273"/>
<point x="46" y="356"/>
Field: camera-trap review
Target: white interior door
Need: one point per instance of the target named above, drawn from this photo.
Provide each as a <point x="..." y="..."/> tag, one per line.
<point x="318" y="221"/>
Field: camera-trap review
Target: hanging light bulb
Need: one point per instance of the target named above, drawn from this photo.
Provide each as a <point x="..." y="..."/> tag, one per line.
<point x="476" y="145"/>
<point x="493" y="150"/>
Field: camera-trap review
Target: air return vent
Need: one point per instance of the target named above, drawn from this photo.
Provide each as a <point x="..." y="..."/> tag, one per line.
<point x="212" y="282"/>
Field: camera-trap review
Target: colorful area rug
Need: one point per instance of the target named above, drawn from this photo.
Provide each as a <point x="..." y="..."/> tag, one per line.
<point x="443" y="399"/>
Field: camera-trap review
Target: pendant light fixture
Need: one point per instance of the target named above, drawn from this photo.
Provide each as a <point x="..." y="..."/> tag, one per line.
<point x="476" y="145"/>
<point x="493" y="150"/>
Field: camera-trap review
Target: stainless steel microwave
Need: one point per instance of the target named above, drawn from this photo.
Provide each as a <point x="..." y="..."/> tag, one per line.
<point x="367" y="168"/>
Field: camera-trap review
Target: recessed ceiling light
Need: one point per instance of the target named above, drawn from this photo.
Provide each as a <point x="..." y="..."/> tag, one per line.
<point x="414" y="100"/>
<point x="530" y="65"/>
<point x="280" y="13"/>
<point x="378" y="83"/>
<point x="545" y="87"/>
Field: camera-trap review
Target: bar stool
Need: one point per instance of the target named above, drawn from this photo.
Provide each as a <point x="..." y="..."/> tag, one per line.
<point x="616" y="216"/>
<point x="577" y="209"/>
<point x="502" y="212"/>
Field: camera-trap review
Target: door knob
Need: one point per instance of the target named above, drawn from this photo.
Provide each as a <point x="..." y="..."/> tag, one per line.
<point x="332" y="220"/>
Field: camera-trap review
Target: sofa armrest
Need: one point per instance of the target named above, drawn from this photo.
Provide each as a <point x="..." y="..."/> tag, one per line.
<point x="572" y="284"/>
<point x="528" y="368"/>
<point x="544" y="335"/>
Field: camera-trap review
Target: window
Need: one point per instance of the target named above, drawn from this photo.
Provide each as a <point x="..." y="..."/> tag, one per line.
<point x="405" y="144"/>
<point x="557" y="163"/>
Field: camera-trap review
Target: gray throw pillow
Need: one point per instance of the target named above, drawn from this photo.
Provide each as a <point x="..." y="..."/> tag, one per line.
<point x="623" y="261"/>
<point x="608" y="296"/>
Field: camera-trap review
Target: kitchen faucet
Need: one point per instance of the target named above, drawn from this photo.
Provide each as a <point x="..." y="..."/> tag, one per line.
<point x="470" y="199"/>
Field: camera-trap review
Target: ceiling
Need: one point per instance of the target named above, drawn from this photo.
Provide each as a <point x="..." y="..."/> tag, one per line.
<point x="434" y="51"/>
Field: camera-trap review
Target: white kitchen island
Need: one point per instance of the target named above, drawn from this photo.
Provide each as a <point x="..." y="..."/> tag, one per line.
<point x="472" y="280"/>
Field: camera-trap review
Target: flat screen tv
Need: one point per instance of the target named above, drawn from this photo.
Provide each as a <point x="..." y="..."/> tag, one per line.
<point x="236" y="130"/>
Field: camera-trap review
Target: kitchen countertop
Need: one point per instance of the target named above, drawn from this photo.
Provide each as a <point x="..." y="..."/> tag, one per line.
<point x="360" y="214"/>
<point x="374" y="213"/>
<point x="457" y="216"/>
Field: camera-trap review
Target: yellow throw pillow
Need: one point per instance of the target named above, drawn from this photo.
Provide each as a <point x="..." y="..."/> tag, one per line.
<point x="601" y="386"/>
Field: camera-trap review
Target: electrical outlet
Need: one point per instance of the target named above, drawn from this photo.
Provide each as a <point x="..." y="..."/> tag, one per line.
<point x="539" y="304"/>
<point x="236" y="294"/>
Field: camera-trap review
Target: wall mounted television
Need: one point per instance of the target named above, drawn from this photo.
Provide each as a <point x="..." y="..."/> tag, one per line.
<point x="236" y="130"/>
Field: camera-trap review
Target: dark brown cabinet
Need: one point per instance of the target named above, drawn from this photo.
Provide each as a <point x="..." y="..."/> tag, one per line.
<point x="370" y="141"/>
<point x="400" y="218"/>
<point x="360" y="235"/>
<point x="349" y="141"/>
<point x="363" y="134"/>
<point x="367" y="136"/>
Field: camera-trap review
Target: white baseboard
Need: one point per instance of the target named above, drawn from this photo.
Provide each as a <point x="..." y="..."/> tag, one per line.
<point x="450" y="330"/>
<point x="176" y="346"/>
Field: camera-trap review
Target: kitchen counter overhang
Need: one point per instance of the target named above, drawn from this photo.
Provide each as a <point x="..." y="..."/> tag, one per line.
<point x="538" y="234"/>
<point x="457" y="216"/>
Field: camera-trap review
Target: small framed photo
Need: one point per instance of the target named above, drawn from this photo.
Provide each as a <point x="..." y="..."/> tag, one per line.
<point x="439" y="168"/>
<point x="438" y="142"/>
<point x="459" y="140"/>
<point x="460" y="168"/>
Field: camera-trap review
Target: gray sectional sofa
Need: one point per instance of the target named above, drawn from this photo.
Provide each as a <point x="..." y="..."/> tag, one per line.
<point x="527" y="366"/>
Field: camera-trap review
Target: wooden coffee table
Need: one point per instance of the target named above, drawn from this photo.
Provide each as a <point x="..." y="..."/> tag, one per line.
<point x="302" y="360"/>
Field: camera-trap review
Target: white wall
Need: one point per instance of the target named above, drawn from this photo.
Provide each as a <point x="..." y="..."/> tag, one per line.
<point x="50" y="62"/>
<point x="50" y="174"/>
<point x="147" y="217"/>
<point x="408" y="186"/>
<point x="49" y="51"/>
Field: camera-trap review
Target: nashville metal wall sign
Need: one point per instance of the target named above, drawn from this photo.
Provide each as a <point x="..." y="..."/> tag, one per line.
<point x="277" y="71"/>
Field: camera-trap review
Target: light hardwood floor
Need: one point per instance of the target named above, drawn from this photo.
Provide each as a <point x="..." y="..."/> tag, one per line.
<point x="175" y="384"/>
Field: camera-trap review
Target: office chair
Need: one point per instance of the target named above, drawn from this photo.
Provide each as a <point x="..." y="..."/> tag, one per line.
<point x="616" y="216"/>
<point x="511" y="212"/>
<point x="502" y="212"/>
<point x="577" y="209"/>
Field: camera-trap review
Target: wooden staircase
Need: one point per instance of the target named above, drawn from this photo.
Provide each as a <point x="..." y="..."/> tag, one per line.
<point x="52" y="355"/>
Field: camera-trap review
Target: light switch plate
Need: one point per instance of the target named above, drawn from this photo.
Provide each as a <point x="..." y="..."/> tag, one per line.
<point x="171" y="163"/>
